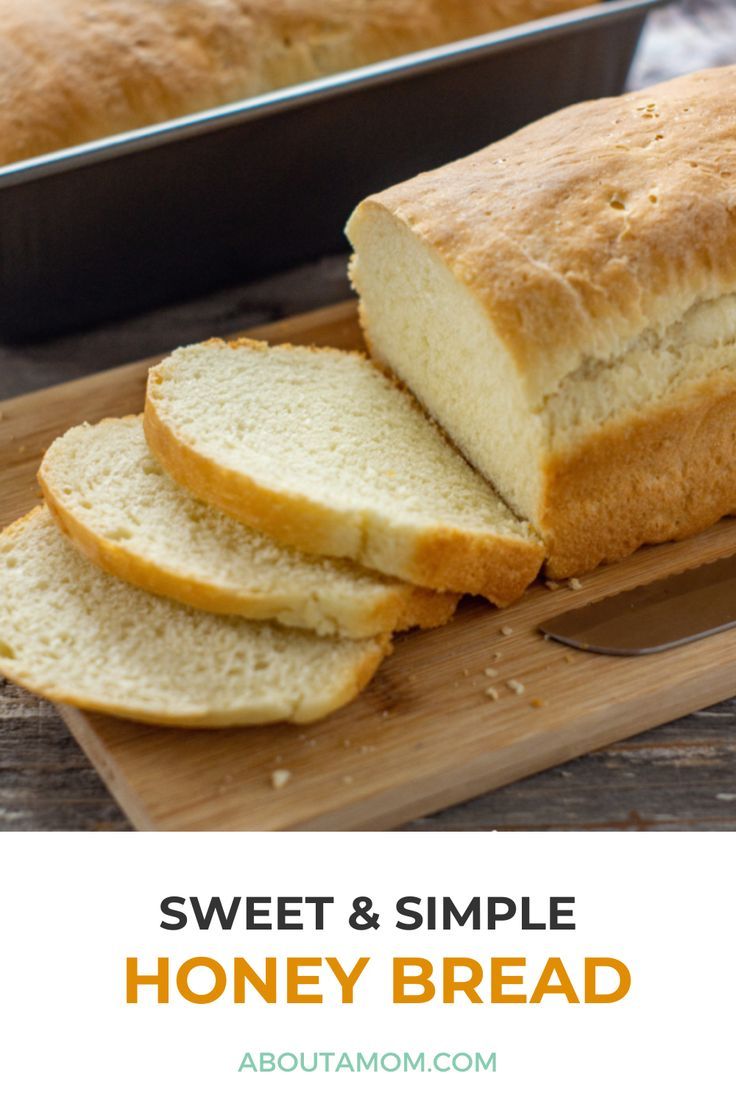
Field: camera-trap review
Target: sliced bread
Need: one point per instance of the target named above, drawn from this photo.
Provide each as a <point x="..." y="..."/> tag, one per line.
<point x="321" y="450"/>
<point x="78" y="635"/>
<point x="115" y="501"/>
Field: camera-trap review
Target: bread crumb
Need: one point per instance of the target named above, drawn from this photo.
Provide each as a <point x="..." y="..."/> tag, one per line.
<point x="497" y="656"/>
<point x="492" y="693"/>
<point x="491" y="672"/>
<point x="516" y="686"/>
<point x="386" y="713"/>
<point x="551" y="584"/>
<point x="347" y="779"/>
<point x="536" y="703"/>
<point x="574" y="584"/>
<point x="466" y="672"/>
<point x="568" y="657"/>
<point x="279" y="778"/>
<point x="506" y="630"/>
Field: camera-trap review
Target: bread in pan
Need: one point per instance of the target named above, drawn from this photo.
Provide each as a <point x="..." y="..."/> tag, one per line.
<point x="320" y="450"/>
<point x="564" y="304"/>
<point x="118" y="505"/>
<point x="75" y="70"/>
<point x="80" y="636"/>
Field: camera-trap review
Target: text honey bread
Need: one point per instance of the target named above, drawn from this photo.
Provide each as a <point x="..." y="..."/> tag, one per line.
<point x="77" y="635"/>
<point x="321" y="451"/>
<point x="119" y="506"/>
<point x="74" y="70"/>
<point x="564" y="304"/>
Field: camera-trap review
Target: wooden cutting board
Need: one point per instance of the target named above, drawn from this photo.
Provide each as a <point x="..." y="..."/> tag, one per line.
<point x="424" y="734"/>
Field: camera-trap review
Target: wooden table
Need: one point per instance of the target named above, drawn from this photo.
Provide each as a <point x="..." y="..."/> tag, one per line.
<point x="679" y="777"/>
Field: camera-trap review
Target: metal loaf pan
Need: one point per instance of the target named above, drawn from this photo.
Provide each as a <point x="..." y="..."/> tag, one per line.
<point x="171" y="211"/>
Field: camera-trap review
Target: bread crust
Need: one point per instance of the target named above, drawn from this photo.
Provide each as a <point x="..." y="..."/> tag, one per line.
<point x="405" y="608"/>
<point x="651" y="477"/>
<point x="589" y="227"/>
<point x="75" y="71"/>
<point x="356" y="678"/>
<point x="495" y="566"/>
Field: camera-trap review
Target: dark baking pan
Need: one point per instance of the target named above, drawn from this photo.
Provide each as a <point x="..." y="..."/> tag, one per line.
<point x="136" y="220"/>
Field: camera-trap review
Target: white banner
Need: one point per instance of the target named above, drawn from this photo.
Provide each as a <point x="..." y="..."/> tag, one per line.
<point x="333" y="967"/>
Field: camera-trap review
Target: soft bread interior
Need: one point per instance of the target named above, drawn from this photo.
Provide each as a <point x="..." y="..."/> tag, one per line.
<point x="422" y="322"/>
<point x="76" y="634"/>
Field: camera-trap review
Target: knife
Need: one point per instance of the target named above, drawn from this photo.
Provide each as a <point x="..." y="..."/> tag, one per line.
<point x="652" y="618"/>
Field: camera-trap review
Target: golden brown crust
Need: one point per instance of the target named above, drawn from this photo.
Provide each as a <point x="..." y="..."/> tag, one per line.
<point x="495" y="566"/>
<point x="588" y="227"/>
<point x="655" y="476"/>
<point x="74" y="71"/>
<point x="500" y="570"/>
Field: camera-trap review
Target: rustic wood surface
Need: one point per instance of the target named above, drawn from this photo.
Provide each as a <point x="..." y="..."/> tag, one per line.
<point x="681" y="776"/>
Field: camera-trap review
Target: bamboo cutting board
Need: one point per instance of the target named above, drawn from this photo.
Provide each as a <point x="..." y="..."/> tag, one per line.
<point x="424" y="734"/>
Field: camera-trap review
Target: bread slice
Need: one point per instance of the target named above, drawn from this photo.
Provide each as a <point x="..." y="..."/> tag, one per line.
<point x="321" y="450"/>
<point x="118" y="505"/>
<point x="77" y="635"/>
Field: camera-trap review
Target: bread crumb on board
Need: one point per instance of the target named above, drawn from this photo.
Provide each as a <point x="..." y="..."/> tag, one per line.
<point x="490" y="672"/>
<point x="506" y="630"/>
<point x="536" y="703"/>
<point x="552" y="584"/>
<point x="574" y="584"/>
<point x="516" y="686"/>
<point x="491" y="692"/>
<point x="279" y="778"/>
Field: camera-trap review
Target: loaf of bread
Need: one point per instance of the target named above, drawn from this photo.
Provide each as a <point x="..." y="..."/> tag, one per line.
<point x="321" y="451"/>
<point x="75" y="70"/>
<point x="78" y="635"/>
<point x="564" y="304"/>
<point x="110" y="495"/>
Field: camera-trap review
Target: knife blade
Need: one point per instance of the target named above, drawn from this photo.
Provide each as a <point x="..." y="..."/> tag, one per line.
<point x="652" y="618"/>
